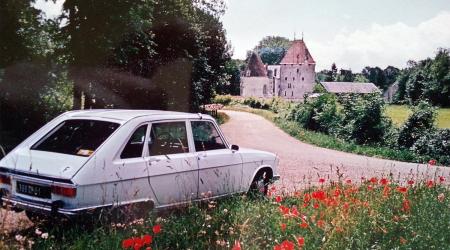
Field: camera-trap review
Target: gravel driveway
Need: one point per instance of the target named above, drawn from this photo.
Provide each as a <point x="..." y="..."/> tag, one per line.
<point x="301" y="163"/>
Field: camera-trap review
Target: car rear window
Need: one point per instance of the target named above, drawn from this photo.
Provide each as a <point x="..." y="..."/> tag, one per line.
<point x="76" y="137"/>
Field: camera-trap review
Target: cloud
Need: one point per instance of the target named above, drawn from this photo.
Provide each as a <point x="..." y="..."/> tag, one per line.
<point x="383" y="45"/>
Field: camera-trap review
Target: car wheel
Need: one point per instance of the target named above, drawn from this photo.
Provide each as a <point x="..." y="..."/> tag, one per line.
<point x="260" y="184"/>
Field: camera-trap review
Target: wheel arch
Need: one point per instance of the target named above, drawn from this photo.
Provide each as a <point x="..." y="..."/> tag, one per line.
<point x="258" y="170"/>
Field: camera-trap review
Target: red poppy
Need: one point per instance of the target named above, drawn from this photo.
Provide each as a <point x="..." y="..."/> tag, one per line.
<point x="321" y="180"/>
<point x="147" y="239"/>
<point x="386" y="191"/>
<point x="303" y="225"/>
<point x="127" y="243"/>
<point x="157" y="229"/>
<point x="283" y="226"/>
<point x="346" y="205"/>
<point x="383" y="181"/>
<point x="402" y="189"/>
<point x="278" y="199"/>
<point x="337" y="192"/>
<point x="316" y="205"/>
<point x="273" y="188"/>
<point x="138" y="241"/>
<point x="320" y="223"/>
<point x="319" y="195"/>
<point x="148" y="248"/>
<point x="137" y="246"/>
<point x="284" y="210"/>
<point x="441" y="178"/>
<point x="300" y="241"/>
<point x="348" y="181"/>
<point x="432" y="162"/>
<point x="370" y="188"/>
<point x="406" y="205"/>
<point x="237" y="245"/>
<point x="307" y="198"/>
<point x="294" y="211"/>
<point x="287" y="245"/>
<point x="410" y="182"/>
<point x="430" y="183"/>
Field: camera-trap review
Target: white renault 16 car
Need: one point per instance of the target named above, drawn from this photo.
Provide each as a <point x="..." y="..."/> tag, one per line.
<point x="89" y="160"/>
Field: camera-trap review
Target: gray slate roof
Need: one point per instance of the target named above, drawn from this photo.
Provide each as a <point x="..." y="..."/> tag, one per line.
<point x="350" y="87"/>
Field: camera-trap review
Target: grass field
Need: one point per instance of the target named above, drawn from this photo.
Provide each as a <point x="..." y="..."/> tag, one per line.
<point x="399" y="114"/>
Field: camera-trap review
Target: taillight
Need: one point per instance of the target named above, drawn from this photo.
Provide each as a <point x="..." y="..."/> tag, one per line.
<point x="64" y="191"/>
<point x="4" y="179"/>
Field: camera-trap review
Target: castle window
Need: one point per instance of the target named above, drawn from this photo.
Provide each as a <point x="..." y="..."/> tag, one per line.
<point x="303" y="78"/>
<point x="284" y="93"/>
<point x="292" y="93"/>
<point x="264" y="90"/>
<point x="298" y="70"/>
<point x="275" y="72"/>
<point x="293" y="78"/>
<point x="285" y="78"/>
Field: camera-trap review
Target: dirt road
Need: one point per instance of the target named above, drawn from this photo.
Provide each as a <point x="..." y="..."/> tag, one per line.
<point x="300" y="162"/>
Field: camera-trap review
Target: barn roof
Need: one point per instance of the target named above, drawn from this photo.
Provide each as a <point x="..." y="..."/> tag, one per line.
<point x="256" y="66"/>
<point x="350" y="87"/>
<point x="297" y="53"/>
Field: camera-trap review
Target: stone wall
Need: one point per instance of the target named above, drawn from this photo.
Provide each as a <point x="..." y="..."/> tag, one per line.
<point x="296" y="80"/>
<point x="256" y="87"/>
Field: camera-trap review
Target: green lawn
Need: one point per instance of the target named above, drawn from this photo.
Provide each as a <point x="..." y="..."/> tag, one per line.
<point x="399" y="114"/>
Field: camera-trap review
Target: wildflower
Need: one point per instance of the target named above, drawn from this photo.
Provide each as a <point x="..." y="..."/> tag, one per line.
<point x="44" y="236"/>
<point x="369" y="187"/>
<point x="285" y="245"/>
<point x="137" y="245"/>
<point x="300" y="241"/>
<point x="237" y="245"/>
<point x="348" y="181"/>
<point x="127" y="243"/>
<point x="316" y="205"/>
<point x="402" y="189"/>
<point x="373" y="180"/>
<point x="430" y="183"/>
<point x="319" y="195"/>
<point x="406" y="207"/>
<point x="147" y="239"/>
<point x="19" y="237"/>
<point x="441" y="197"/>
<point x="278" y="199"/>
<point x="303" y="225"/>
<point x="284" y="210"/>
<point x="432" y="162"/>
<point x="410" y="182"/>
<point x="38" y="232"/>
<point x="321" y="180"/>
<point x="294" y="211"/>
<point x="307" y="198"/>
<point x="156" y="229"/>
<point x="225" y="210"/>
<point x="148" y="248"/>
<point x="383" y="181"/>
<point x="320" y="223"/>
<point x="283" y="227"/>
<point x="386" y="191"/>
<point x="441" y="179"/>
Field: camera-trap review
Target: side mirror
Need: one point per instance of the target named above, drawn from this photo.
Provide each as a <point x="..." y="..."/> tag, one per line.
<point x="234" y="147"/>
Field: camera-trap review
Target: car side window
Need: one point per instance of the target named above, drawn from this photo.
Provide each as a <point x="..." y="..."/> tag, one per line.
<point x="135" y="145"/>
<point x="168" y="138"/>
<point x="206" y="136"/>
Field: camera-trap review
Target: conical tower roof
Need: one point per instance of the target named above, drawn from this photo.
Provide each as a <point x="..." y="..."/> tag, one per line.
<point x="256" y="66"/>
<point x="297" y="53"/>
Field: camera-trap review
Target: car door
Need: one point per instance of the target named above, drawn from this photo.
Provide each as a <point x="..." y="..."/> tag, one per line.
<point x="172" y="167"/>
<point x="220" y="168"/>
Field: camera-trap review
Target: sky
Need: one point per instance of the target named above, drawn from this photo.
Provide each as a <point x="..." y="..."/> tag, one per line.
<point x="351" y="33"/>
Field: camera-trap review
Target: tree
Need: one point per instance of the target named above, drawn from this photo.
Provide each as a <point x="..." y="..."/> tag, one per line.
<point x="376" y="76"/>
<point x="271" y="49"/>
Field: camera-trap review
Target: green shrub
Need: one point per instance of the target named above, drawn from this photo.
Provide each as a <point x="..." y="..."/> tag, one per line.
<point x="434" y="145"/>
<point x="223" y="99"/>
<point x="320" y="114"/>
<point x="418" y="124"/>
<point x="364" y="119"/>
<point x="257" y="103"/>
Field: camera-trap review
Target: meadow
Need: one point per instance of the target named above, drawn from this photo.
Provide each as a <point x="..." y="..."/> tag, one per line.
<point x="368" y="213"/>
<point x="399" y="114"/>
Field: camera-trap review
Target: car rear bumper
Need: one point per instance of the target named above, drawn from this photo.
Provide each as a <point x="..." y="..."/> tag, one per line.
<point x="53" y="208"/>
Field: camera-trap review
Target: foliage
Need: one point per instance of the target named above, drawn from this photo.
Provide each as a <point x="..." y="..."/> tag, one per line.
<point x="420" y="122"/>
<point x="364" y="120"/>
<point x="434" y="145"/>
<point x="378" y="213"/>
<point x="319" y="114"/>
<point x="272" y="49"/>
<point x="318" y="88"/>
<point x="427" y="80"/>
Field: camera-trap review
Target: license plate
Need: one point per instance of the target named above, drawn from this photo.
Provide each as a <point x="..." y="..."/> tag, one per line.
<point x="33" y="190"/>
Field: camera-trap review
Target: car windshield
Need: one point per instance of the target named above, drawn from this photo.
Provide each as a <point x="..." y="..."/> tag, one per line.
<point x="76" y="137"/>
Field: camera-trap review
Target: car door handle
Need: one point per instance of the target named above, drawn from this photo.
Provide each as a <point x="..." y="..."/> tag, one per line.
<point x="201" y="155"/>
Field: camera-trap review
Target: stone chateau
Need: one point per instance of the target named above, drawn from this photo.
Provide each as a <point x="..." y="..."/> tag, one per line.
<point x="292" y="79"/>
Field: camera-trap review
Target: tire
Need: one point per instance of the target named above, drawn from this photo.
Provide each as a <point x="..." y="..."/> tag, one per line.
<point x="260" y="184"/>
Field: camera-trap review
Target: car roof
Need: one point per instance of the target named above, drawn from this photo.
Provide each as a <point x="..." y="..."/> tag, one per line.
<point x="129" y="114"/>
